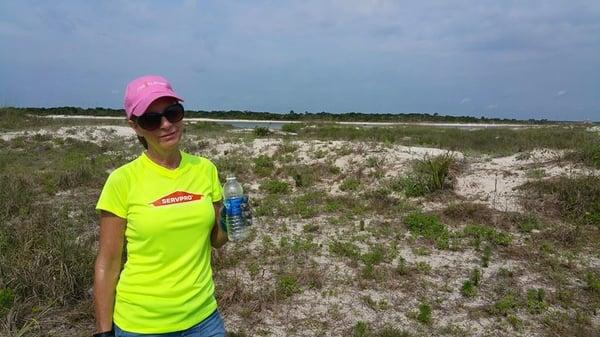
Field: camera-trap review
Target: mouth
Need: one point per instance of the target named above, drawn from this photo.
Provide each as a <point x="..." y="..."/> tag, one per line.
<point x="169" y="135"/>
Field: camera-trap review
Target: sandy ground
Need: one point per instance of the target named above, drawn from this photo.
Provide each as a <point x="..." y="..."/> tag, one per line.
<point x="490" y="181"/>
<point x="460" y="125"/>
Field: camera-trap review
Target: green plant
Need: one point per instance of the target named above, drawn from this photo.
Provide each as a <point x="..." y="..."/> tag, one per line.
<point x="261" y="131"/>
<point x="401" y="268"/>
<point x="505" y="305"/>
<point x="303" y="175"/>
<point x="593" y="283"/>
<point x="375" y="256"/>
<point x="537" y="174"/>
<point x="587" y="153"/>
<point x="436" y="170"/>
<point x="536" y="303"/>
<point x="577" y="199"/>
<point x="263" y="165"/>
<point x="528" y="223"/>
<point x="344" y="249"/>
<point x="374" y="162"/>
<point x="428" y="226"/>
<point x="487" y="255"/>
<point x="468" y="289"/>
<point x="475" y="276"/>
<point x="275" y="187"/>
<point x="424" y="314"/>
<point x="287" y="285"/>
<point x="350" y="184"/>
<point x="292" y="127"/>
<point x="360" y="329"/>
<point x="487" y="233"/>
<point x="7" y="296"/>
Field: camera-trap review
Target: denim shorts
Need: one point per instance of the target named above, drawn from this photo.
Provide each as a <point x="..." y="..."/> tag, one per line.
<point x="212" y="326"/>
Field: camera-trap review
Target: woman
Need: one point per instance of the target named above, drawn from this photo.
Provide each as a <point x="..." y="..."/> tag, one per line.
<point x="162" y="207"/>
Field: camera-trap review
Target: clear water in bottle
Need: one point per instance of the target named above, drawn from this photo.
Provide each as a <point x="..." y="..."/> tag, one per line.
<point x="234" y="194"/>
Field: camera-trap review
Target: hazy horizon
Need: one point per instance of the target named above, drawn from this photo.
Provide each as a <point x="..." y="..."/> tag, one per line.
<point x="506" y="59"/>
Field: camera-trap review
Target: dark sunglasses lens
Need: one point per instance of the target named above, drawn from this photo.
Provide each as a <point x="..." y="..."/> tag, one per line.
<point x="174" y="113"/>
<point x="150" y="120"/>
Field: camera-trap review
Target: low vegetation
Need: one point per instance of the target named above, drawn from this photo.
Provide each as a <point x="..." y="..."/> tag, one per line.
<point x="348" y="240"/>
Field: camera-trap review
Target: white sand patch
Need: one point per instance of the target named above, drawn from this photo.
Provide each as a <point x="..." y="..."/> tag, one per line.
<point x="494" y="181"/>
<point x="95" y="134"/>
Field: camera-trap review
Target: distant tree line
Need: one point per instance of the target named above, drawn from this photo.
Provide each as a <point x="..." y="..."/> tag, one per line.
<point x="291" y="116"/>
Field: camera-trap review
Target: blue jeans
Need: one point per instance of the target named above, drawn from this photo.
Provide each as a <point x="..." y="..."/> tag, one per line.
<point x="212" y="326"/>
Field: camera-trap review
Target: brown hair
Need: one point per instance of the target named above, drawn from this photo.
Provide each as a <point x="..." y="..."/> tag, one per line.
<point x="143" y="141"/>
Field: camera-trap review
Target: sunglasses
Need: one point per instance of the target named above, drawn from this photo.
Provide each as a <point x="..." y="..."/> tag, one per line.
<point x="151" y="120"/>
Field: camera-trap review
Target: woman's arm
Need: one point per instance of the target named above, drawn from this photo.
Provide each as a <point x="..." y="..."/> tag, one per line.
<point x="218" y="237"/>
<point x="107" y="268"/>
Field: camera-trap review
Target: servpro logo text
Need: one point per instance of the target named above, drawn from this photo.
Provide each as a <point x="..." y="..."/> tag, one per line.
<point x="176" y="198"/>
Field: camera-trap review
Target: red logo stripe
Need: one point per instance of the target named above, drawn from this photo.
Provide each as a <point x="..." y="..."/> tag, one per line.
<point x="176" y="198"/>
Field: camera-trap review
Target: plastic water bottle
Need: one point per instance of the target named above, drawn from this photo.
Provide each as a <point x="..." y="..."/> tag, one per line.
<point x="234" y="194"/>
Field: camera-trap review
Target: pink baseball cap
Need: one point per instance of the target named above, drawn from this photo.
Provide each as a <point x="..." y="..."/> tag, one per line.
<point x="142" y="91"/>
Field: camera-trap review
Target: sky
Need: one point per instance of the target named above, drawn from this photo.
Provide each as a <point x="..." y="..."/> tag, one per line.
<point x="506" y="59"/>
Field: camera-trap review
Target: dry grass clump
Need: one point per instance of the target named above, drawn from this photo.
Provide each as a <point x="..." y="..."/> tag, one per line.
<point x="429" y="175"/>
<point x="575" y="199"/>
<point x="42" y="264"/>
<point x="588" y="153"/>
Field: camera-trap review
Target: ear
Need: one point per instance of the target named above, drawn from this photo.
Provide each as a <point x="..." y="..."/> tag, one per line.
<point x="134" y="126"/>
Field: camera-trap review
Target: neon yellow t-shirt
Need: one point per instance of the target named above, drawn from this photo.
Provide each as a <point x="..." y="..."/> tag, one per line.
<point x="166" y="284"/>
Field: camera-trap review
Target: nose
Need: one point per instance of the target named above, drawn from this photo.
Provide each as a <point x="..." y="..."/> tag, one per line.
<point x="164" y="123"/>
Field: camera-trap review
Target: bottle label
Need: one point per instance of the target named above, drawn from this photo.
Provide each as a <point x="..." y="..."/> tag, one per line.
<point x="234" y="206"/>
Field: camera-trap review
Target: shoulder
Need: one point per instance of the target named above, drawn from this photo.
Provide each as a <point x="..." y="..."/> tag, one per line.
<point x="199" y="161"/>
<point x="125" y="171"/>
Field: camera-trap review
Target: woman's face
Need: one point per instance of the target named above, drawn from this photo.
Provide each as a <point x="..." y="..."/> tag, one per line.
<point x="168" y="135"/>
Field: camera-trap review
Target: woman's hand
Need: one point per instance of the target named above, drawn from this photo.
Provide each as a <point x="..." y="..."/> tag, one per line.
<point x="246" y="214"/>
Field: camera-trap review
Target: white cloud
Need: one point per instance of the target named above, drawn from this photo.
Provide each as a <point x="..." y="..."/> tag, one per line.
<point x="465" y="100"/>
<point x="561" y="93"/>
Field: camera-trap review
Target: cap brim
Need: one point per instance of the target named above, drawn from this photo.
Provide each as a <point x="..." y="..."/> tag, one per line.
<point x="143" y="105"/>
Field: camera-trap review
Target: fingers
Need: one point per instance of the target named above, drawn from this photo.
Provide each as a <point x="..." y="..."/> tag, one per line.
<point x="246" y="210"/>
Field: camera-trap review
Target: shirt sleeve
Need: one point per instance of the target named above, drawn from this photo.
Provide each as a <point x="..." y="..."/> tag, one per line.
<point x="114" y="195"/>
<point x="217" y="189"/>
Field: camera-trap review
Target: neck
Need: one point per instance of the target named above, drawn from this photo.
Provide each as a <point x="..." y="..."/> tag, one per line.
<point x="169" y="159"/>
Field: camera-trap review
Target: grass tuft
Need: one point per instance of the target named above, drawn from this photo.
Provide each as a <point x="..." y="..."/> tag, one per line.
<point x="429" y="227"/>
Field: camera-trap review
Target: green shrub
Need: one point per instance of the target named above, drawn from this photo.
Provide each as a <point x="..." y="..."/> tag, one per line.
<point x="576" y="199"/>
<point x="486" y="257"/>
<point x="427" y="176"/>
<point x="536" y="303"/>
<point x="481" y="232"/>
<point x="587" y="153"/>
<point x="468" y="289"/>
<point x="428" y="226"/>
<point x="275" y="187"/>
<point x="505" y="305"/>
<point x="287" y="285"/>
<point x="350" y="184"/>
<point x="260" y="131"/>
<point x="360" y="329"/>
<point x="435" y="170"/>
<point x="528" y="222"/>
<point x="375" y="256"/>
<point x="593" y="283"/>
<point x="292" y="127"/>
<point x="413" y="186"/>
<point x="424" y="314"/>
<point x="263" y="165"/>
<point x="344" y="249"/>
<point x="7" y="296"/>
<point x="303" y="175"/>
